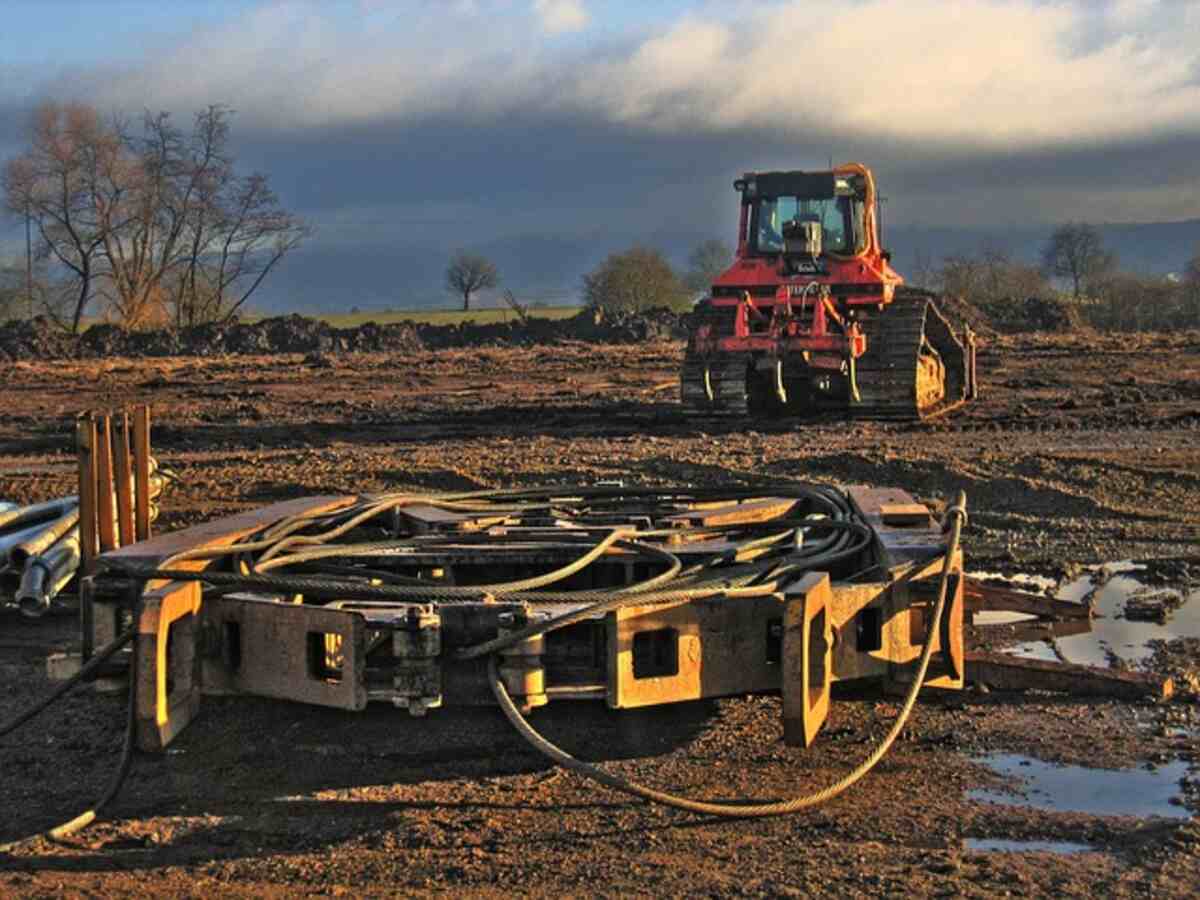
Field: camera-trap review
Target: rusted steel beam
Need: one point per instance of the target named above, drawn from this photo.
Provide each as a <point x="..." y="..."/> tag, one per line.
<point x="123" y="463"/>
<point x="1013" y="673"/>
<point x="986" y="597"/>
<point x="141" y="469"/>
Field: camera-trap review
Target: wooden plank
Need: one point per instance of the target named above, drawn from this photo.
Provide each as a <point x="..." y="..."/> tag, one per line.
<point x="123" y="465"/>
<point x="85" y="442"/>
<point x="736" y="513"/>
<point x="106" y="514"/>
<point x="141" y="469"/>
<point x="1004" y="672"/>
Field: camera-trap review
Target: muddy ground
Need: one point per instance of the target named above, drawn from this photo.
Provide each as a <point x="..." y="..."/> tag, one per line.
<point x="1083" y="449"/>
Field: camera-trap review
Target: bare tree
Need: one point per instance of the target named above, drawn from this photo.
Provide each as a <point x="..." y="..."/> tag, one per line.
<point x="961" y="275"/>
<point x="237" y="232"/>
<point x="989" y="276"/>
<point x="1075" y="251"/>
<point x="468" y="273"/>
<point x="12" y="290"/>
<point x="198" y="236"/>
<point x="923" y="272"/>
<point x="706" y="263"/>
<point x="153" y="223"/>
<point x="56" y="183"/>
<point x="1003" y="278"/>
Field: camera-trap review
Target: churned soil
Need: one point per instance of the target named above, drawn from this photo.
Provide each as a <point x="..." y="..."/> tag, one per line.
<point x="1083" y="449"/>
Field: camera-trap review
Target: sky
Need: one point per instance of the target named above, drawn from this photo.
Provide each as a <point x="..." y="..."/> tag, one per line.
<point x="552" y="131"/>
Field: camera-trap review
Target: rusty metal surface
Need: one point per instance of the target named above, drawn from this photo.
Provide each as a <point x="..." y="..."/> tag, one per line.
<point x="866" y="618"/>
<point x="290" y="651"/>
<point x="807" y="659"/>
<point x="1013" y="673"/>
<point x="694" y="650"/>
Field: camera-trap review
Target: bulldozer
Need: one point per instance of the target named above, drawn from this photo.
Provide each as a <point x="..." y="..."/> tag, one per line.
<point x="812" y="317"/>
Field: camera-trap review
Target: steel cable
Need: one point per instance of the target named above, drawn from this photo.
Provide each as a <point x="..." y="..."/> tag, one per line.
<point x="956" y="515"/>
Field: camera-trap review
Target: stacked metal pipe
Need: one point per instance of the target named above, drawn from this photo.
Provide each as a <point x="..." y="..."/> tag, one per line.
<point x="40" y="549"/>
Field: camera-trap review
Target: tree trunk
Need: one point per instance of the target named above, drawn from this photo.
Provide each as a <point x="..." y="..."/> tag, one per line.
<point x="466" y="301"/>
<point x="85" y="284"/>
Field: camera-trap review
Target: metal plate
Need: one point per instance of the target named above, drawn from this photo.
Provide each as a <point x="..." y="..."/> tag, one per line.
<point x="311" y="654"/>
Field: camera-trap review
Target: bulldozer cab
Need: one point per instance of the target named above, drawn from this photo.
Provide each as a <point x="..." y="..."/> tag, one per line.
<point x="780" y="201"/>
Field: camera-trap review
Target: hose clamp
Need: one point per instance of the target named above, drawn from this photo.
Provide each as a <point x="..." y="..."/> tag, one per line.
<point x="957" y="510"/>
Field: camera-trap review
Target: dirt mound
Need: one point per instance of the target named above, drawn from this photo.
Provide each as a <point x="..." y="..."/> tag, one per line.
<point x="37" y="338"/>
<point x="1015" y="316"/>
<point x="1042" y="314"/>
<point x="40" y="339"/>
<point x="592" y="326"/>
<point x="962" y="312"/>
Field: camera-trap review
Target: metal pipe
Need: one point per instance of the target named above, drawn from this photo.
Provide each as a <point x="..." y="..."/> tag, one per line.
<point x="52" y="532"/>
<point x="38" y="512"/>
<point x="38" y="545"/>
<point x="46" y="575"/>
<point x="12" y="538"/>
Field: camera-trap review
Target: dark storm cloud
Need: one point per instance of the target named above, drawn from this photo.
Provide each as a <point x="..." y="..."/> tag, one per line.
<point x="463" y="125"/>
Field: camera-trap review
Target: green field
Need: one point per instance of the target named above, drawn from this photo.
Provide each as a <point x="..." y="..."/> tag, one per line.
<point x="441" y="316"/>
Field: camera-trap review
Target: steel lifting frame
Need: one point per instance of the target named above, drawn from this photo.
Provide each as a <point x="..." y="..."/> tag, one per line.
<point x="798" y="643"/>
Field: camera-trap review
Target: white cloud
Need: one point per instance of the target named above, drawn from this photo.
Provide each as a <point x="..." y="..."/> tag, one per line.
<point x="561" y="16"/>
<point x="978" y="74"/>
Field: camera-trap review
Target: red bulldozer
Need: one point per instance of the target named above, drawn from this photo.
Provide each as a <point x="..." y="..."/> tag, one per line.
<point x="811" y="316"/>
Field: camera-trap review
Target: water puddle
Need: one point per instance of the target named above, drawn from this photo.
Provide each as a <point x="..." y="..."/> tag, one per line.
<point x="1002" y="845"/>
<point x="1112" y="637"/>
<point x="1100" y="792"/>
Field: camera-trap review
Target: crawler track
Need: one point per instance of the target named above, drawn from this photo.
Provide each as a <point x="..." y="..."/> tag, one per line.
<point x="717" y="384"/>
<point x="889" y="373"/>
<point x="893" y="385"/>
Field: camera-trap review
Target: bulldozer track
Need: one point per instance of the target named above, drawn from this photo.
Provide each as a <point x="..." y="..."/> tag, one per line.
<point x="887" y="373"/>
<point x="722" y="378"/>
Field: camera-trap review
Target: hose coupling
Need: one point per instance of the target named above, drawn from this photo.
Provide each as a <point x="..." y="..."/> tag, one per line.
<point x="957" y="510"/>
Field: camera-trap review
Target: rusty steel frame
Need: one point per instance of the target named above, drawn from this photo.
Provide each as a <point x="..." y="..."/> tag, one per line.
<point x="251" y="644"/>
<point x="343" y="654"/>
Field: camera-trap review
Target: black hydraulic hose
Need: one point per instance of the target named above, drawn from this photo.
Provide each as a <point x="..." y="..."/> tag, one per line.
<point x="90" y="668"/>
<point x="85" y="818"/>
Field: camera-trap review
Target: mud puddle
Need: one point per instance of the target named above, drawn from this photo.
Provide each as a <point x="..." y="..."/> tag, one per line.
<point x="1099" y="792"/>
<point x="1114" y="639"/>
